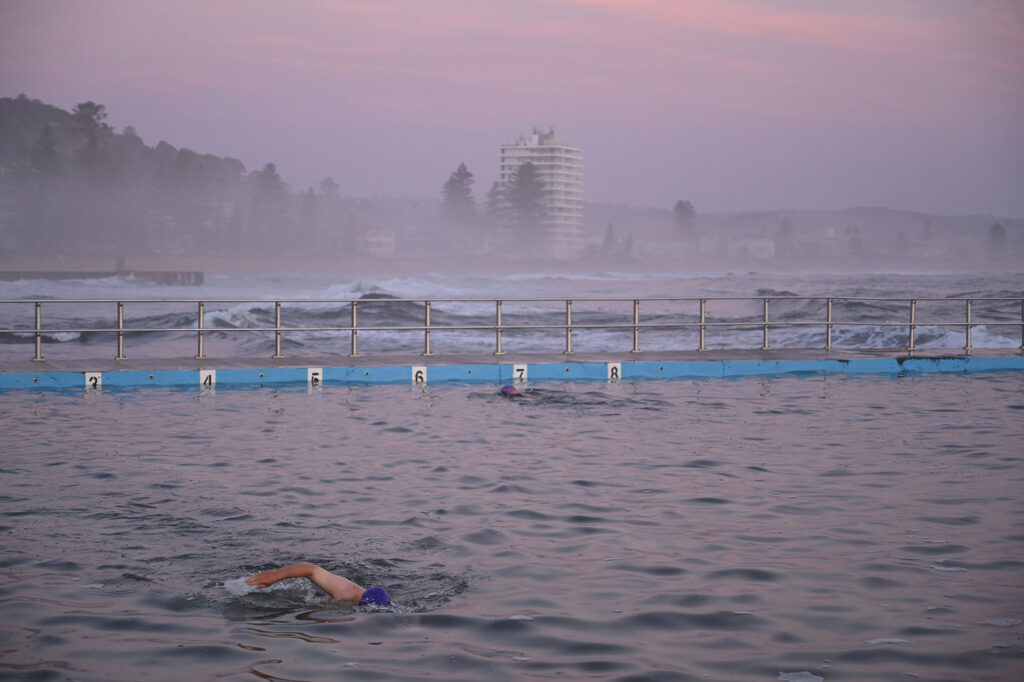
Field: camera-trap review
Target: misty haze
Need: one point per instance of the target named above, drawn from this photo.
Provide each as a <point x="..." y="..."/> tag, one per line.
<point x="728" y="136"/>
<point x="81" y="195"/>
<point x="612" y="339"/>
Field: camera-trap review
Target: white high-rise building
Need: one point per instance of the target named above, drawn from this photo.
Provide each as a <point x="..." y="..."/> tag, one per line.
<point x="560" y="169"/>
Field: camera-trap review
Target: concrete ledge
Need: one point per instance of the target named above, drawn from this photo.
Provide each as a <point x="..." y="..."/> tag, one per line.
<point x="417" y="369"/>
<point x="171" y="277"/>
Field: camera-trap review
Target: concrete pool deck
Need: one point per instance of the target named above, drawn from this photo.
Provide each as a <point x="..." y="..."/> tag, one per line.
<point x="487" y="368"/>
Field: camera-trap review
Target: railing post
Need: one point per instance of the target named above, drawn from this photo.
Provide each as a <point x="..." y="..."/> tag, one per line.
<point x="120" y="332"/>
<point x="497" y="328"/>
<point x="636" y="325"/>
<point x="426" y="328"/>
<point x="968" y="326"/>
<point x="568" y="326"/>
<point x="200" y="325"/>
<point x="913" y="319"/>
<point x="277" y="329"/>
<point x="354" y="353"/>
<point x="703" y="322"/>
<point x="38" y="357"/>
<point x="828" y="324"/>
<point x="765" y="345"/>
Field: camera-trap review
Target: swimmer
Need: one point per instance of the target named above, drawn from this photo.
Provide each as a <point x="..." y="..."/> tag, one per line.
<point x="342" y="590"/>
<point x="510" y="391"/>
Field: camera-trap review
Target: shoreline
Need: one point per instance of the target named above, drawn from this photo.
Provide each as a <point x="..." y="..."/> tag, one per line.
<point x="297" y="265"/>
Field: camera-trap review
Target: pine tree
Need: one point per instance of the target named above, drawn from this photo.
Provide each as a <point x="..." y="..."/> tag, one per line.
<point x="525" y="196"/>
<point x="268" y="215"/>
<point x="88" y="122"/>
<point x="458" y="204"/>
<point x="88" y="117"/>
<point x="495" y="202"/>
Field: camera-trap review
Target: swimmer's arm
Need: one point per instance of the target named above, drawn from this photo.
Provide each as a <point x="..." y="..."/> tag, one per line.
<point x="341" y="589"/>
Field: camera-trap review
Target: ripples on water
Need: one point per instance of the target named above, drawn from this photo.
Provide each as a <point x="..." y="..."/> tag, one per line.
<point x="836" y="528"/>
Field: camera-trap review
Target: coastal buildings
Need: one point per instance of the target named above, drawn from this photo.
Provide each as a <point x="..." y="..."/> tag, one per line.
<point x="559" y="168"/>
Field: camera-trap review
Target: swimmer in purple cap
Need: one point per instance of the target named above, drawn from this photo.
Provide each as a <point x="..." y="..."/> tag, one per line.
<point x="342" y="590"/>
<point x="510" y="391"/>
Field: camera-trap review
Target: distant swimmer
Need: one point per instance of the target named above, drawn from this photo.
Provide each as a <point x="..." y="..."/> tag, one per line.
<point x="510" y="391"/>
<point x="342" y="590"/>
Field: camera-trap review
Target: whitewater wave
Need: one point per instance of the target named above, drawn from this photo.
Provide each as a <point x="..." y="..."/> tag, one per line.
<point x="602" y="311"/>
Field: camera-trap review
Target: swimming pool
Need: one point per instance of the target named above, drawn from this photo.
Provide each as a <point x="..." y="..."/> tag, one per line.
<point x="843" y="527"/>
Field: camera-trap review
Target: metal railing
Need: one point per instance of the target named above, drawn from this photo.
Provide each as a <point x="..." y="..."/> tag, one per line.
<point x="702" y="322"/>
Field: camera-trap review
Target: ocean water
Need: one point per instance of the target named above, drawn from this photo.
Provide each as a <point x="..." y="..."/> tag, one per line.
<point x="828" y="528"/>
<point x="599" y="299"/>
<point x="802" y="529"/>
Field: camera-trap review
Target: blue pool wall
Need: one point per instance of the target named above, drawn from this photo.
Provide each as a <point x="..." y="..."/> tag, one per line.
<point x="506" y="373"/>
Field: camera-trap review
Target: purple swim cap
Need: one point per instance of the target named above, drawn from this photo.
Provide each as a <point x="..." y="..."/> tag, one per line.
<point x="509" y="390"/>
<point x="377" y="596"/>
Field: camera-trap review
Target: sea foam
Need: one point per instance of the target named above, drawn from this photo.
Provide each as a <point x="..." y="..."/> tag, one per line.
<point x="239" y="587"/>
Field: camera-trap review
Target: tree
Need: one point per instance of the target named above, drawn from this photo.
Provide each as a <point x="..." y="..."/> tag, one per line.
<point x="81" y="187"/>
<point x="38" y="197"/>
<point x="683" y="210"/>
<point x="997" y="240"/>
<point x="88" y="118"/>
<point x="329" y="189"/>
<point x="525" y="195"/>
<point x="103" y="217"/>
<point x="268" y="180"/>
<point x="45" y="156"/>
<point x="682" y="218"/>
<point x="495" y="202"/>
<point x="268" y="217"/>
<point x="610" y="241"/>
<point x="458" y="204"/>
<point x="88" y="122"/>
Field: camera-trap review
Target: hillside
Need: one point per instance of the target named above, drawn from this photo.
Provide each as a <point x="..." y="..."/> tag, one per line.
<point x="70" y="185"/>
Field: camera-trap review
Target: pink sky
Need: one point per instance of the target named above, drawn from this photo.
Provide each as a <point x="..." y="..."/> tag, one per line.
<point x="732" y="104"/>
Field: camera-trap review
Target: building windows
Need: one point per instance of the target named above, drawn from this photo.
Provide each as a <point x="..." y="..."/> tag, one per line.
<point x="560" y="169"/>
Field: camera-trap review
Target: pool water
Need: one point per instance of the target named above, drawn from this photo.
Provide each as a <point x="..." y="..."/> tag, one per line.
<point x="832" y="528"/>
